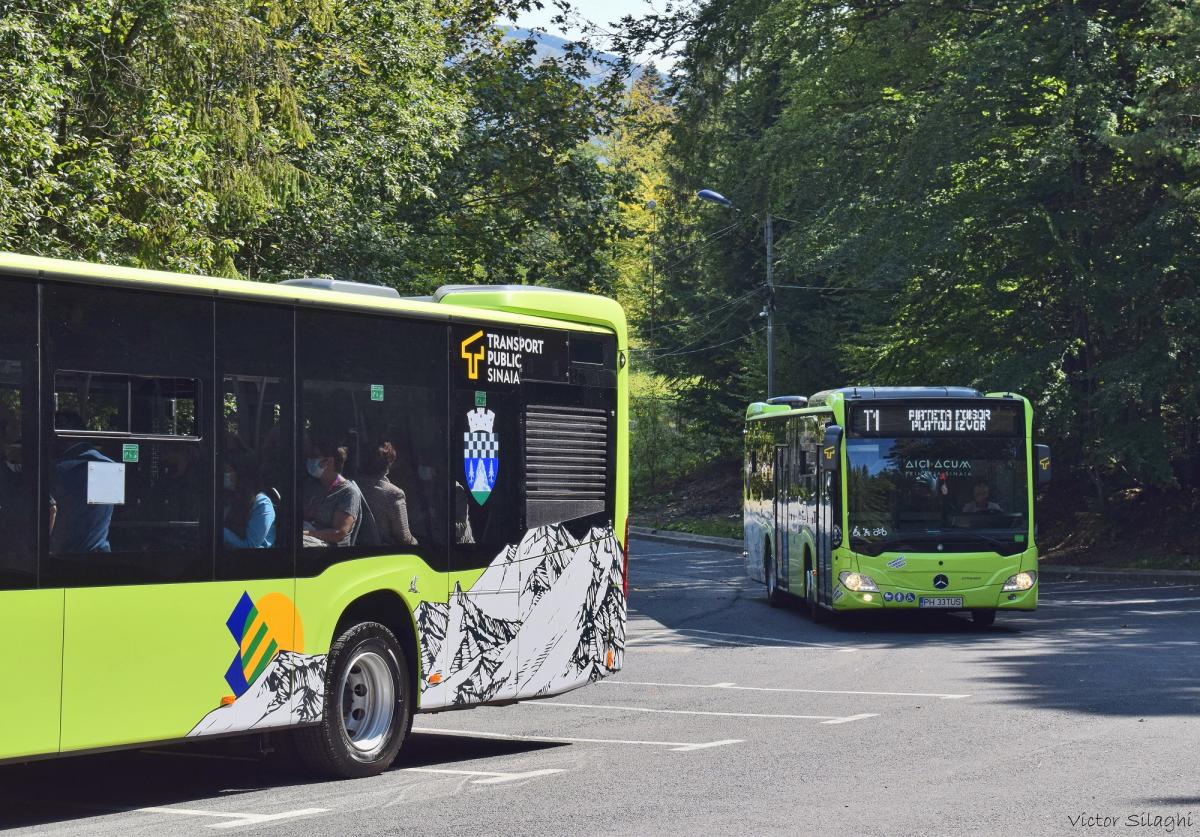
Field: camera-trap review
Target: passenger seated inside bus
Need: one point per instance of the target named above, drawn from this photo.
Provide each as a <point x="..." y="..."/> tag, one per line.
<point x="333" y="505"/>
<point x="982" y="503"/>
<point x="249" y="506"/>
<point x="385" y="499"/>
<point x="77" y="525"/>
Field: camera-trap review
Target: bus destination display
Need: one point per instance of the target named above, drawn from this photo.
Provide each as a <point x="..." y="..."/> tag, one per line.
<point x="976" y="418"/>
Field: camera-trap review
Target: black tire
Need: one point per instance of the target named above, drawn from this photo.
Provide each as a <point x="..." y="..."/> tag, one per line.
<point x="815" y="612"/>
<point x="774" y="596"/>
<point x="983" y="618"/>
<point x="365" y="660"/>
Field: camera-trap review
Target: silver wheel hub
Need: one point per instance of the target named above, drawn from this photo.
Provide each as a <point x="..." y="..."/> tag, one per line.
<point x="368" y="695"/>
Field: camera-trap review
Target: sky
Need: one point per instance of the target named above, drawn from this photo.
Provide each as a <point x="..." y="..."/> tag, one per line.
<point x="599" y="12"/>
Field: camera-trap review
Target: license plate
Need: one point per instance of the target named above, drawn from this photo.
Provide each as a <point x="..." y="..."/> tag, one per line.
<point x="940" y="601"/>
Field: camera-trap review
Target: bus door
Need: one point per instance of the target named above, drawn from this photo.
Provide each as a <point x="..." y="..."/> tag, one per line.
<point x="824" y="563"/>
<point x="782" y="517"/>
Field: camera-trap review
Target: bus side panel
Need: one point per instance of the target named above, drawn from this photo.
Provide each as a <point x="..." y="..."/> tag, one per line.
<point x="32" y="620"/>
<point x="155" y="662"/>
<point x="758" y="515"/>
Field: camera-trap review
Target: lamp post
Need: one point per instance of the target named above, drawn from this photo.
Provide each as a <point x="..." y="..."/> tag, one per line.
<point x="769" y="238"/>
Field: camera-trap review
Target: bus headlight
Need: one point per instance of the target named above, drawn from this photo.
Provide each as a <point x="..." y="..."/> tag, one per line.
<point x="858" y="583"/>
<point x="1020" y="582"/>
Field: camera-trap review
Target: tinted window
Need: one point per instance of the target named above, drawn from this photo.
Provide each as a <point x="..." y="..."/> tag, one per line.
<point x="129" y="456"/>
<point x="18" y="435"/>
<point x="373" y="410"/>
<point x="255" y="455"/>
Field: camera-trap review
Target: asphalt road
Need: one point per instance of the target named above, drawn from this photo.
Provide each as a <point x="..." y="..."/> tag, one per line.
<point x="732" y="717"/>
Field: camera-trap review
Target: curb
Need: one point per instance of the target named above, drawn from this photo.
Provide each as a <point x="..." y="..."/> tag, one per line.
<point x="1183" y="577"/>
<point x="685" y="538"/>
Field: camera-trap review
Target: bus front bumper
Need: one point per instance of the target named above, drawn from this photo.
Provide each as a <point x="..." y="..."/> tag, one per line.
<point x="991" y="597"/>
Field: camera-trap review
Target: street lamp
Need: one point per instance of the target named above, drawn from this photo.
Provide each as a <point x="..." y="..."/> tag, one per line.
<point x="769" y="237"/>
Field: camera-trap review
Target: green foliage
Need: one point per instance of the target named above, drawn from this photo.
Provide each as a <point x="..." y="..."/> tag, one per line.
<point x="1003" y="196"/>
<point x="407" y="142"/>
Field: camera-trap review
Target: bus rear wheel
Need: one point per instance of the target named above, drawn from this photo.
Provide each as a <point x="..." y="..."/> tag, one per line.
<point x="368" y="706"/>
<point x="983" y="618"/>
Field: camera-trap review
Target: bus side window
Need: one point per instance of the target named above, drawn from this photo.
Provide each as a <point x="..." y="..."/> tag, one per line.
<point x="18" y="436"/>
<point x="255" y="478"/>
<point x="129" y="440"/>
<point x="372" y="392"/>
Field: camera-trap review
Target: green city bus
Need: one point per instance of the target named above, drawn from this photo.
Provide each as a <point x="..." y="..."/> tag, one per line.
<point x="882" y="498"/>
<point x="231" y="506"/>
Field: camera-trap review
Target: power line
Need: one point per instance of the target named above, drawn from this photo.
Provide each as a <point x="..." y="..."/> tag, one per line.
<point x="758" y="330"/>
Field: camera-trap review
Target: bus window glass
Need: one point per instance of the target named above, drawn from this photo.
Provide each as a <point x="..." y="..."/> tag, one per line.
<point x="967" y="494"/>
<point x="254" y="447"/>
<point x="373" y="435"/>
<point x="18" y="468"/>
<point x="129" y="464"/>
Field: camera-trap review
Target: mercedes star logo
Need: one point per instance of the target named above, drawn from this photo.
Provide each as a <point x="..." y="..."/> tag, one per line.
<point x="941" y="582"/>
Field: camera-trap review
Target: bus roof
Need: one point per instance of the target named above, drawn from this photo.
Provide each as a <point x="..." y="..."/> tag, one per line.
<point x="899" y="393"/>
<point x="506" y="304"/>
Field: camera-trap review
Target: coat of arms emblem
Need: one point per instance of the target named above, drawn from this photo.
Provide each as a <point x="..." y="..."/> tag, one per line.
<point x="481" y="453"/>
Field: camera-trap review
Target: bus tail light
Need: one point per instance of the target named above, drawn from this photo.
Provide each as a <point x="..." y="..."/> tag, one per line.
<point x="625" y="561"/>
<point x="1020" y="582"/>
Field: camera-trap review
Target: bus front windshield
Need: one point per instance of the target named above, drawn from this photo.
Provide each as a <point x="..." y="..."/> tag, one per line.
<point x="945" y="494"/>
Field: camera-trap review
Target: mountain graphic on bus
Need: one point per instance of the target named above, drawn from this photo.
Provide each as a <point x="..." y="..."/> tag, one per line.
<point x="261" y="630"/>
<point x="567" y="626"/>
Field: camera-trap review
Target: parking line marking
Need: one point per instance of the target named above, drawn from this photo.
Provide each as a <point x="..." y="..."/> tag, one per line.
<point x="619" y="708"/>
<point x="492" y="777"/>
<point x="851" y="718"/>
<point x="674" y="746"/>
<point x="656" y="635"/>
<point x="782" y="689"/>
<point x="234" y="820"/>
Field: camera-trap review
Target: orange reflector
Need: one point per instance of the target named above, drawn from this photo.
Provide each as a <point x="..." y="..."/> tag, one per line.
<point x="610" y="658"/>
<point x="228" y="700"/>
<point x="435" y="678"/>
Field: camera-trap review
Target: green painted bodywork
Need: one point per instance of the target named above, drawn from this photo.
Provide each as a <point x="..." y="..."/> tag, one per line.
<point x="977" y="577"/>
<point x="31" y="671"/>
<point x="145" y="663"/>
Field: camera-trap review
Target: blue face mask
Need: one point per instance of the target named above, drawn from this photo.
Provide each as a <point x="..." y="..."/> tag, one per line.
<point x="314" y="468"/>
<point x="229" y="480"/>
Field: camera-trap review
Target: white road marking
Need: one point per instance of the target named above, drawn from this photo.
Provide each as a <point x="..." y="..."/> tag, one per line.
<point x="674" y="746"/>
<point x="234" y="820"/>
<point x="658" y="634"/>
<point x="619" y="708"/>
<point x="781" y="689"/>
<point x="492" y="777"/>
<point x="852" y="718"/>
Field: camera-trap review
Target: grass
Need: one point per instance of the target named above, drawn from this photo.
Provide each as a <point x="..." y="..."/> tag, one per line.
<point x="718" y="527"/>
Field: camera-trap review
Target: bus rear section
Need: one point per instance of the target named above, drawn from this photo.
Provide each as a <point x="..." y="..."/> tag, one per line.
<point x="933" y="494"/>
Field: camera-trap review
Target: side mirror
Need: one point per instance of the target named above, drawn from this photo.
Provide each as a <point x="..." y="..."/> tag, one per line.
<point x="1042" y="463"/>
<point x="830" y="459"/>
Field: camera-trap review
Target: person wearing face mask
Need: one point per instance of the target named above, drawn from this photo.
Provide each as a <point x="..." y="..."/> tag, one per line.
<point x="249" y="512"/>
<point x="333" y="505"/>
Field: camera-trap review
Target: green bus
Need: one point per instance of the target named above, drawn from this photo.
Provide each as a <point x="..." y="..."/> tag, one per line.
<point x="882" y="498"/>
<point x="230" y="507"/>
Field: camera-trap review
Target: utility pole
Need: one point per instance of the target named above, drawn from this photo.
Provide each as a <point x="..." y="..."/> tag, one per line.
<point x="769" y="235"/>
